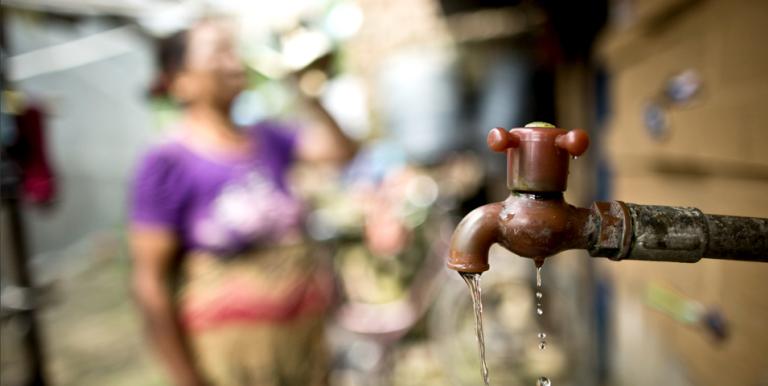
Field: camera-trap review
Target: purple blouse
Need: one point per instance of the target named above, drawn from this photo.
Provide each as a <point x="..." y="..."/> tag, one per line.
<point x="222" y="205"/>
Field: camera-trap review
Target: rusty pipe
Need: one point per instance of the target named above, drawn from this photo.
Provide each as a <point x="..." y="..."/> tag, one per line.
<point x="665" y="233"/>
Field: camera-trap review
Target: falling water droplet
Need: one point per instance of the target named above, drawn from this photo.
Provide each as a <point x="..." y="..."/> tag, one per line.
<point x="538" y="276"/>
<point x="543" y="381"/>
<point x="542" y="345"/>
<point x="539" y="295"/>
<point x="540" y="311"/>
<point x="542" y="335"/>
<point x="575" y="157"/>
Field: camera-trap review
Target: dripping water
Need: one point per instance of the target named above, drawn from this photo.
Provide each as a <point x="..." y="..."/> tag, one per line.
<point x="542" y="381"/>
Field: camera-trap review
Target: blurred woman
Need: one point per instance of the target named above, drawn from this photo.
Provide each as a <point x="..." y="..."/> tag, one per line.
<point x="222" y="273"/>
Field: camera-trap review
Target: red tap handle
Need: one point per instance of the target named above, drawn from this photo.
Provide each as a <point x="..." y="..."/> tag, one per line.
<point x="499" y="140"/>
<point x="575" y="142"/>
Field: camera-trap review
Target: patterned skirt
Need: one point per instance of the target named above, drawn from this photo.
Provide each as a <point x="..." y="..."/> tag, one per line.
<point x="258" y="318"/>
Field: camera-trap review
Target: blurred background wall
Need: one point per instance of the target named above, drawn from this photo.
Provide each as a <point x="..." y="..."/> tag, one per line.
<point x="671" y="92"/>
<point x="90" y="75"/>
<point x="688" y="83"/>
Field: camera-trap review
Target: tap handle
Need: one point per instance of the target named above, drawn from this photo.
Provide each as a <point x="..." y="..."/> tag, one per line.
<point x="575" y="142"/>
<point x="499" y="140"/>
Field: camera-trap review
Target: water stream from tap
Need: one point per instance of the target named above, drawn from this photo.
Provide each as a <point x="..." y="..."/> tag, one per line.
<point x="473" y="282"/>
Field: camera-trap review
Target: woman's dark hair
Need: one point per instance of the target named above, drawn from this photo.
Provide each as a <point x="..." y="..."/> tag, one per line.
<point x="171" y="53"/>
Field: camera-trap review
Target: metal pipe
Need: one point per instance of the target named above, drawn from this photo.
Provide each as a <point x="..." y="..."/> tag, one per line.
<point x="737" y="238"/>
<point x="679" y="234"/>
<point x="19" y="261"/>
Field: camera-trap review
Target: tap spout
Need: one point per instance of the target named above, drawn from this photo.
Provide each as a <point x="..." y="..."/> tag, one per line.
<point x="530" y="225"/>
<point x="473" y="237"/>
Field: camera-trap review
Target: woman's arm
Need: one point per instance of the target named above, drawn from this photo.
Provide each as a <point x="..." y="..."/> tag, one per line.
<point x="153" y="253"/>
<point x="323" y="141"/>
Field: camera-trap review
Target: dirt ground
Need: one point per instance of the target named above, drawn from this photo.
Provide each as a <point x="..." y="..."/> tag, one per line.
<point x="91" y="332"/>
